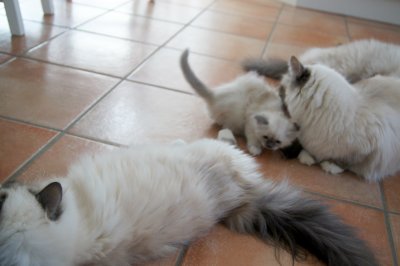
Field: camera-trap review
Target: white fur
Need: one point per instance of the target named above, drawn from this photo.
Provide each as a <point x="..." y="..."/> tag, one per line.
<point x="236" y="104"/>
<point x="356" y="126"/>
<point x="126" y="206"/>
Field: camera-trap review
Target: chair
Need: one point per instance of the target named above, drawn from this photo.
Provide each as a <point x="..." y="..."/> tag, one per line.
<point x="14" y="17"/>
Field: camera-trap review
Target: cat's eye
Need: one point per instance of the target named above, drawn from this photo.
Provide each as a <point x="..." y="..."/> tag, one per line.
<point x="266" y="137"/>
<point x="278" y="142"/>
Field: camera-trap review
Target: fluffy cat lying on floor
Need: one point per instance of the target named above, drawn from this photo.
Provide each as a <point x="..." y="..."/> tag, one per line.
<point x="344" y="125"/>
<point x="136" y="204"/>
<point x="248" y="106"/>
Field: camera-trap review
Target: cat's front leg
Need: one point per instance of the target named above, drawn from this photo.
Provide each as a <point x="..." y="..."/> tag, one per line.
<point x="226" y="135"/>
<point x="306" y="158"/>
<point x="331" y="168"/>
<point x="253" y="145"/>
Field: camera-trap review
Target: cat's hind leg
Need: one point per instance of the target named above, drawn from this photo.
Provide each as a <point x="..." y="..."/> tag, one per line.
<point x="226" y="135"/>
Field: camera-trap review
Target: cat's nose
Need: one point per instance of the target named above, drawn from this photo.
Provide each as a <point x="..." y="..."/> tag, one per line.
<point x="270" y="144"/>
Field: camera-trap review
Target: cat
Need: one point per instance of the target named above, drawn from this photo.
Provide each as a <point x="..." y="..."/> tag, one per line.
<point x="346" y="100"/>
<point x="144" y="202"/>
<point x="248" y="106"/>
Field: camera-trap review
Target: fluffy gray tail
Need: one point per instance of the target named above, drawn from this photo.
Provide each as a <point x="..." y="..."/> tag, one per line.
<point x="272" y="68"/>
<point x="191" y="78"/>
<point x="281" y="215"/>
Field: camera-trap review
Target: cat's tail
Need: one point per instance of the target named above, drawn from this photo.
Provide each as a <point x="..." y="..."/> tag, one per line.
<point x="280" y="215"/>
<point x="272" y="68"/>
<point x="192" y="79"/>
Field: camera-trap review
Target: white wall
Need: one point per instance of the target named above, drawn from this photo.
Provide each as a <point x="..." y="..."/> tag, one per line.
<point x="379" y="10"/>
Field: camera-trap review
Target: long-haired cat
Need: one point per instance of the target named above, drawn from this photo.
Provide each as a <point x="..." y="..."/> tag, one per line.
<point x="343" y="125"/>
<point x="248" y="106"/>
<point x="141" y="203"/>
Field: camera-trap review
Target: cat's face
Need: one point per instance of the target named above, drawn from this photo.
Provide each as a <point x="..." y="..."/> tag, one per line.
<point x="274" y="130"/>
<point x="25" y="216"/>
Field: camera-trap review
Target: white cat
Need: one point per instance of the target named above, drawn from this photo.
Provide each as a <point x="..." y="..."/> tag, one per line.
<point x="248" y="106"/>
<point x="141" y="203"/>
<point x="343" y="125"/>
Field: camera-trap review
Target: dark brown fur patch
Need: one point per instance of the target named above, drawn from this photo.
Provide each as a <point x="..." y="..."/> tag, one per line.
<point x="282" y="95"/>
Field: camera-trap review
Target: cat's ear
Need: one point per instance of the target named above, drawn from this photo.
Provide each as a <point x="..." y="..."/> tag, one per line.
<point x="261" y="120"/>
<point x="295" y="67"/>
<point x="50" y="199"/>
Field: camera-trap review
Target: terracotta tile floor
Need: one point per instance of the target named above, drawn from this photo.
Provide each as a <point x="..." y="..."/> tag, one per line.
<point x="100" y="74"/>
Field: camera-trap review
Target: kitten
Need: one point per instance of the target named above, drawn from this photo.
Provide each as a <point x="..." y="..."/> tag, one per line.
<point x="131" y="205"/>
<point x="247" y="106"/>
<point x="347" y="126"/>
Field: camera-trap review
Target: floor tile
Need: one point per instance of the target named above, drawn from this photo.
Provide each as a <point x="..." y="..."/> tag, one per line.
<point x="4" y="57"/>
<point x="371" y="23"/>
<point x="313" y="178"/>
<point x="163" y="69"/>
<point x="192" y="3"/>
<point x="94" y="52"/>
<point x="35" y="33"/>
<point x="249" y="27"/>
<point x="133" y="27"/>
<point x="58" y="158"/>
<point x="395" y="222"/>
<point x="66" y="13"/>
<point x="361" y="31"/>
<point x="222" y="45"/>
<point x="161" y="10"/>
<point x="18" y="142"/>
<point x="168" y="261"/>
<point x="246" y="8"/>
<point x="391" y="187"/>
<point x="303" y="37"/>
<point x="46" y="94"/>
<point x="275" y="3"/>
<point x="317" y="21"/>
<point x="222" y="247"/>
<point x="283" y="51"/>
<point x="101" y="3"/>
<point x="135" y="113"/>
<point x="370" y="226"/>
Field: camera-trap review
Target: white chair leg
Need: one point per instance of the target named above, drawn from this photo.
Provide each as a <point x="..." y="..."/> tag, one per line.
<point x="14" y="17"/>
<point x="48" y="7"/>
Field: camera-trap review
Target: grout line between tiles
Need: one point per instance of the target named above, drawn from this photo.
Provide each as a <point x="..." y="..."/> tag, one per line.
<point x="269" y="37"/>
<point x="346" y="23"/>
<point x="21" y="121"/>
<point x="343" y="200"/>
<point x="107" y="142"/>
<point x="388" y="225"/>
<point x="23" y="166"/>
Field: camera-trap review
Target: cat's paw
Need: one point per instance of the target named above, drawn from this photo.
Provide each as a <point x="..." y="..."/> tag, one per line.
<point x="306" y="158"/>
<point x="254" y="150"/>
<point x="226" y="135"/>
<point x="178" y="142"/>
<point x="331" y="168"/>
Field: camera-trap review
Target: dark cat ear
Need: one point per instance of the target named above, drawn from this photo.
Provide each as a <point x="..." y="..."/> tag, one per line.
<point x="50" y="199"/>
<point x="261" y="120"/>
<point x="296" y="67"/>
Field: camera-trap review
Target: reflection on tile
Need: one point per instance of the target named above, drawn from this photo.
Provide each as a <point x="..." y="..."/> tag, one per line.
<point x="317" y="21"/>
<point x="245" y="8"/>
<point x="58" y="158"/>
<point x="133" y="27"/>
<point x="35" y="33"/>
<point x="66" y="13"/>
<point x="134" y="113"/>
<point x="18" y="142"/>
<point x="217" y="44"/>
<point x="304" y="37"/>
<point x="4" y="58"/>
<point x="163" y="70"/>
<point x="391" y="187"/>
<point x="313" y="178"/>
<point x="395" y="222"/>
<point x="192" y="3"/>
<point x="249" y="27"/>
<point x="362" y="31"/>
<point x="222" y="247"/>
<point x="94" y="52"/>
<point x="161" y="10"/>
<point x="101" y="3"/>
<point x="370" y="226"/>
<point x="46" y="94"/>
